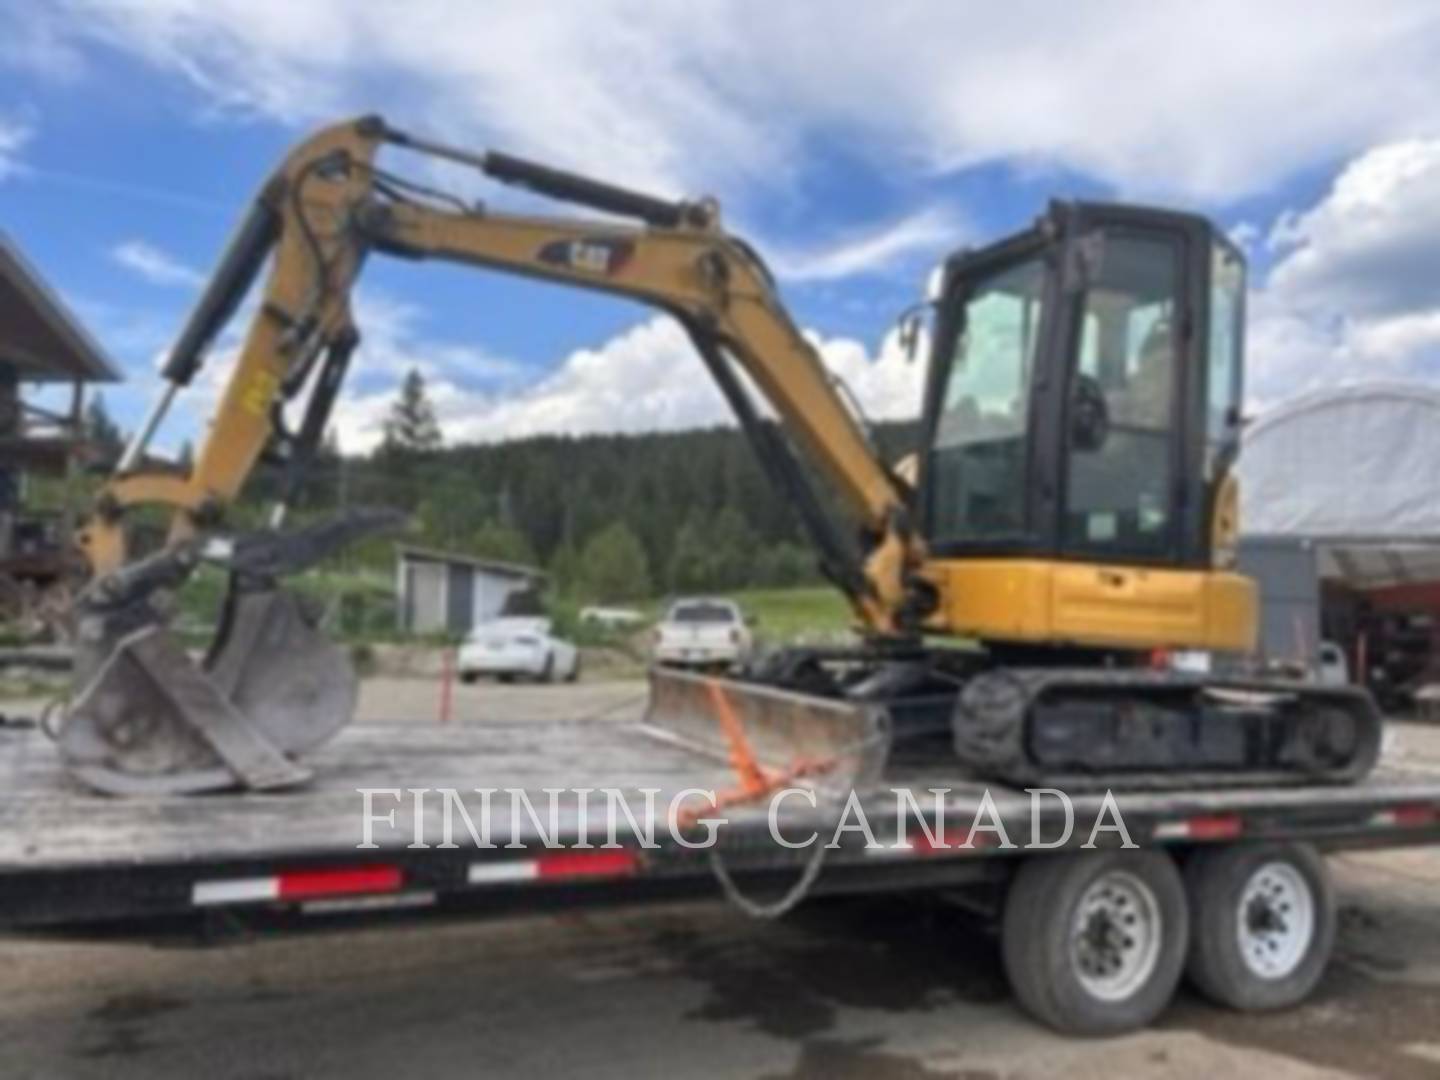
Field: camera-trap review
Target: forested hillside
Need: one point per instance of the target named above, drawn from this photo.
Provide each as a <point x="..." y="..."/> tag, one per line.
<point x="611" y="516"/>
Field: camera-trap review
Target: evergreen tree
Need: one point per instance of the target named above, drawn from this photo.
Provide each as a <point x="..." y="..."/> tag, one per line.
<point x="565" y="569"/>
<point x="494" y="540"/>
<point x="411" y="427"/>
<point x="613" y="566"/>
<point x="692" y="561"/>
<point x="785" y="565"/>
<point x="735" y="547"/>
<point x="100" y="431"/>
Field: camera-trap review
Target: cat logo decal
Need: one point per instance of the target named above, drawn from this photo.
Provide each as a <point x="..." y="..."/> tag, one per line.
<point x="606" y="255"/>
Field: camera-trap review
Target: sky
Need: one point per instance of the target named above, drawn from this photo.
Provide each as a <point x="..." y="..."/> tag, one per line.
<point x="855" y="144"/>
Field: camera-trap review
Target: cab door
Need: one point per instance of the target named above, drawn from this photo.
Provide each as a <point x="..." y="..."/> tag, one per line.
<point x="1125" y="450"/>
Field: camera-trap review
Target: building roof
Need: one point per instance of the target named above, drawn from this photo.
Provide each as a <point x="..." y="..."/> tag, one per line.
<point x="1355" y="463"/>
<point x="1379" y="566"/>
<point x="413" y="553"/>
<point x="37" y="334"/>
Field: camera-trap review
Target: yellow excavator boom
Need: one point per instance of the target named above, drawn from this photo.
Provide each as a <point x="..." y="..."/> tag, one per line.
<point x="329" y="206"/>
<point x="145" y="719"/>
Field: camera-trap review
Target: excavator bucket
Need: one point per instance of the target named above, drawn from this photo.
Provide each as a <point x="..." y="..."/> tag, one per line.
<point x="153" y="722"/>
<point x="148" y="720"/>
<point x="771" y="737"/>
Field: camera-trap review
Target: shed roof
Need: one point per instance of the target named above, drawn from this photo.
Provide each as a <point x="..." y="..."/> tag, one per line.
<point x="38" y="335"/>
<point x="413" y="553"/>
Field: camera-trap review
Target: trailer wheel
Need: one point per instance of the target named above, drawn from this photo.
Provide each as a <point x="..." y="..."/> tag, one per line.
<point x="1094" y="942"/>
<point x="1264" y="924"/>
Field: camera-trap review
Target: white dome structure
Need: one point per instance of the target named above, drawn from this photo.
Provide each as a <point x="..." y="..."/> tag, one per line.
<point x="1340" y="529"/>
<point x="1354" y="463"/>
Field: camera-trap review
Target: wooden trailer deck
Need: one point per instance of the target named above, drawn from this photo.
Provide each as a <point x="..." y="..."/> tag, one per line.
<point x="67" y="854"/>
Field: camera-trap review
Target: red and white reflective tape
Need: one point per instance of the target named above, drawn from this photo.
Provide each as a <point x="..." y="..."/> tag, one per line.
<point x="1211" y="827"/>
<point x="555" y="866"/>
<point x="299" y="885"/>
<point x="1407" y="817"/>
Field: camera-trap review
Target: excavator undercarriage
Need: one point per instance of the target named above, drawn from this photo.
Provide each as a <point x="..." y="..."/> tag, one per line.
<point x="1090" y="727"/>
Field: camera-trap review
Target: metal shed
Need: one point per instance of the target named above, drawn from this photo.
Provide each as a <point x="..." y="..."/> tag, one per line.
<point x="444" y="592"/>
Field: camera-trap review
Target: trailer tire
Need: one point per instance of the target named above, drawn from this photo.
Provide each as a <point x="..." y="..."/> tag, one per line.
<point x="1274" y="958"/>
<point x="1095" y="942"/>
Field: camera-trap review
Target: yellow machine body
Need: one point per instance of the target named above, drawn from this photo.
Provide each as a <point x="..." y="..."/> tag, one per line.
<point x="1093" y="604"/>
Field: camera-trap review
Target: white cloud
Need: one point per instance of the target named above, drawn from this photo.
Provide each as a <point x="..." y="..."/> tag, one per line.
<point x="36" y="45"/>
<point x="394" y="339"/>
<point x="1153" y="98"/>
<point x="155" y="265"/>
<point x="925" y="233"/>
<point x="645" y="379"/>
<point x="1355" y="292"/>
<point x="15" y="134"/>
<point x="1370" y="243"/>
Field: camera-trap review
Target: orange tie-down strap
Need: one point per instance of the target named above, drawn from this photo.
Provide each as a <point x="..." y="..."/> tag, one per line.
<point x="756" y="782"/>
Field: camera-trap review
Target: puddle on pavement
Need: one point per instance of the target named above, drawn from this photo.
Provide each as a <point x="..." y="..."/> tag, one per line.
<point x="899" y="954"/>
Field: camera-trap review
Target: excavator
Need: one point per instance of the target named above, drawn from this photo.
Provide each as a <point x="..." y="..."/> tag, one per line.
<point x="1070" y="517"/>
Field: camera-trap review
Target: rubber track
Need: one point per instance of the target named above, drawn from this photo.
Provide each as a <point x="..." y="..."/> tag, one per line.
<point x="993" y="712"/>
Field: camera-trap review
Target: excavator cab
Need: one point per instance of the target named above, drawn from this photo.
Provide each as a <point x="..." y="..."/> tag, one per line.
<point x="1081" y="418"/>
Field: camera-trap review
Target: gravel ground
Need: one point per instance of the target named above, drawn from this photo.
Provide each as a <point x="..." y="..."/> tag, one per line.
<point x="890" y="988"/>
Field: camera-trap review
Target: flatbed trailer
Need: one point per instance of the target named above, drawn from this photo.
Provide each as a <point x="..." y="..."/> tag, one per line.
<point x="70" y="858"/>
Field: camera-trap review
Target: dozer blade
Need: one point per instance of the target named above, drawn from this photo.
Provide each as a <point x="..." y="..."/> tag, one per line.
<point x="770" y="735"/>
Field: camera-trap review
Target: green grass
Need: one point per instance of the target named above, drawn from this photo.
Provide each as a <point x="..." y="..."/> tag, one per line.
<point x="799" y="614"/>
<point x="807" y="614"/>
<point x="359" y="604"/>
<point x="362" y="609"/>
<point x="21" y="687"/>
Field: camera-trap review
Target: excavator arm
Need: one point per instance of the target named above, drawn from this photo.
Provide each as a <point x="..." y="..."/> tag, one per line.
<point x="145" y="719"/>
<point x="330" y="206"/>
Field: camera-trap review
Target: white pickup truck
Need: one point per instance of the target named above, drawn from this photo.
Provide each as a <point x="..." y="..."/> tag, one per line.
<point x="702" y="632"/>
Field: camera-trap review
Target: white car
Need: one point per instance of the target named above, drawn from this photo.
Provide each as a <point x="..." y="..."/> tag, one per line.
<point x="702" y="632"/>
<point x="517" y="647"/>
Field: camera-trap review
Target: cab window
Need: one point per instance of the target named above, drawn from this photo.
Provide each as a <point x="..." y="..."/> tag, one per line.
<point x="1227" y="319"/>
<point x="978" y="459"/>
<point x="1122" y="400"/>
